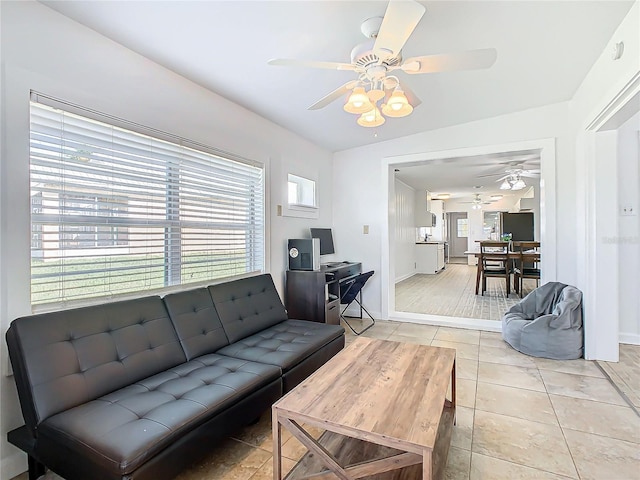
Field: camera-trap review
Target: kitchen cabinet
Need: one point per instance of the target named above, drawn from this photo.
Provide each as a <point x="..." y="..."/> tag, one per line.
<point x="437" y="209"/>
<point x="423" y="216"/>
<point x="429" y="257"/>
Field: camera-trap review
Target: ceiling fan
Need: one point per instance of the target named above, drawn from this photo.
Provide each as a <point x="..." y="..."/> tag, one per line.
<point x="380" y="55"/>
<point x="513" y="177"/>
<point x="477" y="202"/>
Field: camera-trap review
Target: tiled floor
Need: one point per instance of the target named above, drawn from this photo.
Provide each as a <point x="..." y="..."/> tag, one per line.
<point x="626" y="373"/>
<point x="451" y="293"/>
<point x="518" y="417"/>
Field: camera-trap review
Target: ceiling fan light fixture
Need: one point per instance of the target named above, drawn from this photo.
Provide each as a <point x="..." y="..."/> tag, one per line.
<point x="375" y="95"/>
<point x="476" y="206"/>
<point x="372" y="118"/>
<point x="358" y="102"/>
<point x="518" y="185"/>
<point x="505" y="185"/>
<point x="398" y="105"/>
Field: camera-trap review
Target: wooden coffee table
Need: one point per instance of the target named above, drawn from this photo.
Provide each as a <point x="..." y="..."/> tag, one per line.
<point x="379" y="392"/>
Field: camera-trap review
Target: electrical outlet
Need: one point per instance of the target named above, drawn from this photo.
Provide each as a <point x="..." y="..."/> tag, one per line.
<point x="365" y="229"/>
<point x="627" y="210"/>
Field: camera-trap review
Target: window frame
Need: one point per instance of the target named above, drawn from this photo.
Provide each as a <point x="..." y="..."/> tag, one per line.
<point x="300" y="209"/>
<point x="464" y="223"/>
<point x="256" y="258"/>
<point x="302" y="187"/>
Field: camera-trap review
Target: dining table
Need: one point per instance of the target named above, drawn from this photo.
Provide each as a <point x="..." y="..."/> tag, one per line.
<point x="511" y="255"/>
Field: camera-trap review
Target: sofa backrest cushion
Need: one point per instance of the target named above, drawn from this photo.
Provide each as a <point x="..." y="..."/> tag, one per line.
<point x="196" y="321"/>
<point x="66" y="358"/>
<point x="247" y="306"/>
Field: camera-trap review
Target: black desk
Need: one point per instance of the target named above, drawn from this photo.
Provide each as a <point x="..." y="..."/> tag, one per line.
<point x="315" y="295"/>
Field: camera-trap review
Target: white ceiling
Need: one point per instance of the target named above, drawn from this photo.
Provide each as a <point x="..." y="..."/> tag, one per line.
<point x="545" y="49"/>
<point x="463" y="177"/>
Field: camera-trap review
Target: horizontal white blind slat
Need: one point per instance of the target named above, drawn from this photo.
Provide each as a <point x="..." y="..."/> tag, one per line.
<point x="115" y="211"/>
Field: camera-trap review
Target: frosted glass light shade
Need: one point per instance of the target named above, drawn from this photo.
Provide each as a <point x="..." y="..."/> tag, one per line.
<point x="358" y="102"/>
<point x="375" y="95"/>
<point x="372" y="118"/>
<point x="505" y="185"/>
<point x="519" y="185"/>
<point x="398" y="105"/>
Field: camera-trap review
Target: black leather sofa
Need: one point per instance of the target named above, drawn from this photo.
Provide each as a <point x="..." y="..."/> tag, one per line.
<point x="140" y="389"/>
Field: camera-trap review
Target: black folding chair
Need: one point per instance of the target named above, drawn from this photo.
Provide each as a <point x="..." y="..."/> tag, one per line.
<point x="349" y="291"/>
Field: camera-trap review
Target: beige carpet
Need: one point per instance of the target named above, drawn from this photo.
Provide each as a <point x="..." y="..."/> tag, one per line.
<point x="451" y="293"/>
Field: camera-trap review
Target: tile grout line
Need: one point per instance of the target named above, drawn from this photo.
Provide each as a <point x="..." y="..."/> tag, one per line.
<point x="620" y="392"/>
<point x="564" y="437"/>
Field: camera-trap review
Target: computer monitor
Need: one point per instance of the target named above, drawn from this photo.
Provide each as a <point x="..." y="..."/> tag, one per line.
<point x="326" y="240"/>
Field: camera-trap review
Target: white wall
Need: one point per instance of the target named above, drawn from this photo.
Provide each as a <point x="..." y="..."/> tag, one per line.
<point x="366" y="199"/>
<point x="47" y="52"/>
<point x="405" y="231"/>
<point x="628" y="146"/>
<point x="605" y="95"/>
<point x="584" y="211"/>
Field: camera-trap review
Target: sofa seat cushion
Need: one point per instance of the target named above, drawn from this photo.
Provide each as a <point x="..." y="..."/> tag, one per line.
<point x="285" y="344"/>
<point x="124" y="429"/>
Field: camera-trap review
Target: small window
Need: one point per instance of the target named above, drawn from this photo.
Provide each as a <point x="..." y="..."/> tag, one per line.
<point x="463" y="228"/>
<point x="301" y="192"/>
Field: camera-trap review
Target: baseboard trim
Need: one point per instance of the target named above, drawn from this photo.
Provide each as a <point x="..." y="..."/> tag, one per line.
<point x="457" y="322"/>
<point x="404" y="277"/>
<point x="631" y="338"/>
<point x="13" y="465"/>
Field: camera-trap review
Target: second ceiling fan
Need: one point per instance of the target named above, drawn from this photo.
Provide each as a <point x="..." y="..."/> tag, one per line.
<point x="380" y="55"/>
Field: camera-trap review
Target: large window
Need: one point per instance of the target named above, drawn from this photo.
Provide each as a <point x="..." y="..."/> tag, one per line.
<point x="116" y="210"/>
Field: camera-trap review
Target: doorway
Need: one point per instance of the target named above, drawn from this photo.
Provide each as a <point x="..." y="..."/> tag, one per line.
<point x="546" y="150"/>
<point x="458" y="236"/>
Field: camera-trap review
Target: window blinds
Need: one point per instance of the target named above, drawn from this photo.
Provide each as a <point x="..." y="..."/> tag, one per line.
<point x="114" y="211"/>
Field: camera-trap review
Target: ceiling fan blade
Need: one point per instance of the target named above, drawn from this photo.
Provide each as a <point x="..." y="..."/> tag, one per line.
<point x="413" y="99"/>
<point x="399" y="22"/>
<point x="490" y="175"/>
<point x="451" y="62"/>
<point x="337" y="93"/>
<point x="287" y="62"/>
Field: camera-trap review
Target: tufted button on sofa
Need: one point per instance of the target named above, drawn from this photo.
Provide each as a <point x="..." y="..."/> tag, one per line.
<point x="140" y="389"/>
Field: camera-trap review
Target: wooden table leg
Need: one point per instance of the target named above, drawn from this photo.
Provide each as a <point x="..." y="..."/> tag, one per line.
<point x="277" y="446"/>
<point x="453" y="388"/>
<point x="427" y="465"/>
<point x="478" y="270"/>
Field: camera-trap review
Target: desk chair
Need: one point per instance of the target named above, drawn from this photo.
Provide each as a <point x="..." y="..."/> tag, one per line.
<point x="349" y="291"/>
<point x="528" y="264"/>
<point x="493" y="262"/>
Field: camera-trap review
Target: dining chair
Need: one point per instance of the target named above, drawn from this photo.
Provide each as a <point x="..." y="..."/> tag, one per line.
<point x="527" y="265"/>
<point x="493" y="261"/>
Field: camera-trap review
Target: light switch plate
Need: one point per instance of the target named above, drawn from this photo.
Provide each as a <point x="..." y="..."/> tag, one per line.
<point x="627" y="210"/>
<point x="365" y="229"/>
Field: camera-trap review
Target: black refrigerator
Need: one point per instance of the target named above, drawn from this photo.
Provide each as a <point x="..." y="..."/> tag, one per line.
<point x="519" y="225"/>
